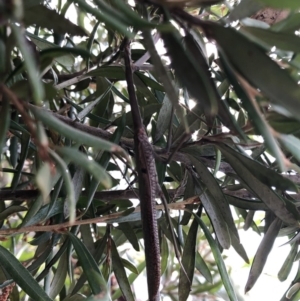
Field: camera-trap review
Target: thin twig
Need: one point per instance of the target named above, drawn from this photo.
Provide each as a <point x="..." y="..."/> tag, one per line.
<point x="125" y="177"/>
<point x="102" y="219"/>
<point x="61" y="227"/>
<point x="182" y="140"/>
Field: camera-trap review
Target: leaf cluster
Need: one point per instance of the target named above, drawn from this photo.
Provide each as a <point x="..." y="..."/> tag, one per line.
<point x="223" y="126"/>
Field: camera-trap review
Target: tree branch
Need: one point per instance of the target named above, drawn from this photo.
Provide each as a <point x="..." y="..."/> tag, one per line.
<point x="110" y="218"/>
<point x="108" y="196"/>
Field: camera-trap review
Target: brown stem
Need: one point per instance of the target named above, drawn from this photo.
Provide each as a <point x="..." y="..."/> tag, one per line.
<point x="61" y="227"/>
<point x="102" y="219"/>
<point x="147" y="178"/>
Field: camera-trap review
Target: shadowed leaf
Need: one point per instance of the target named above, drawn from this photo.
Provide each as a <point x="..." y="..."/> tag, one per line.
<point x="48" y="18"/>
<point x="88" y="264"/>
<point x="219" y="260"/>
<point x="21" y="276"/>
<point x="262" y="253"/>
<point x="190" y="74"/>
<point x="188" y="263"/>
<point x="120" y="273"/>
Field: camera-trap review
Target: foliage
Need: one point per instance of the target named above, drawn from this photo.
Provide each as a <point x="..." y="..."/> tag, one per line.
<point x="224" y="132"/>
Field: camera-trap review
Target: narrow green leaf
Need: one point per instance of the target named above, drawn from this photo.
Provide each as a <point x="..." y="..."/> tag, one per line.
<point x="21" y="276"/>
<point x="89" y="115"/>
<point x="32" y="211"/>
<point x="218" y="162"/>
<point x="164" y="254"/>
<point x="281" y="88"/>
<point x="220" y="198"/>
<point x="111" y="72"/>
<point x="40" y="256"/>
<point x="89" y="165"/>
<point x="249" y="219"/>
<point x="15" y="126"/>
<point x="130" y="234"/>
<point x="164" y="118"/>
<point x="191" y="75"/>
<point x="25" y="139"/>
<point x="216" y="205"/>
<point x="131" y="279"/>
<point x="88" y="237"/>
<point x="91" y="41"/>
<point x="5" y="120"/>
<point x="204" y="288"/>
<point x="54" y="197"/>
<point x="219" y="260"/>
<point x="91" y="105"/>
<point x="98" y="255"/>
<point x="67" y="60"/>
<point x="48" y="119"/>
<point x="269" y="38"/>
<point x="43" y="180"/>
<point x="217" y="219"/>
<point x="41" y="238"/>
<point x="161" y="171"/>
<point x="42" y="213"/>
<point x="88" y="263"/>
<point x="292" y="144"/>
<point x="130" y="266"/>
<point x="261" y="190"/>
<point x="112" y="11"/>
<point x="31" y="67"/>
<point x="202" y="267"/>
<point x="149" y="81"/>
<point x="3" y="62"/>
<point x="60" y="275"/>
<point x="288" y="263"/>
<point x="293" y="290"/>
<point x="11" y="210"/>
<point x="70" y="204"/>
<point x="59" y="52"/>
<point x="239" y="248"/>
<point x="120" y="273"/>
<point x="109" y="19"/>
<point x="146" y="111"/>
<point x="117" y="73"/>
<point x="188" y="263"/>
<point x="104" y="160"/>
<point x="255" y="115"/>
<point x="190" y="191"/>
<point x="78" y="182"/>
<point x="50" y="19"/>
<point x="104" y="295"/>
<point x="223" y="112"/>
<point x="13" y="149"/>
<point x="283" y="124"/>
<point x="264" y="174"/>
<point x="262" y="253"/>
<point x="76" y="297"/>
<point x="164" y="76"/>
